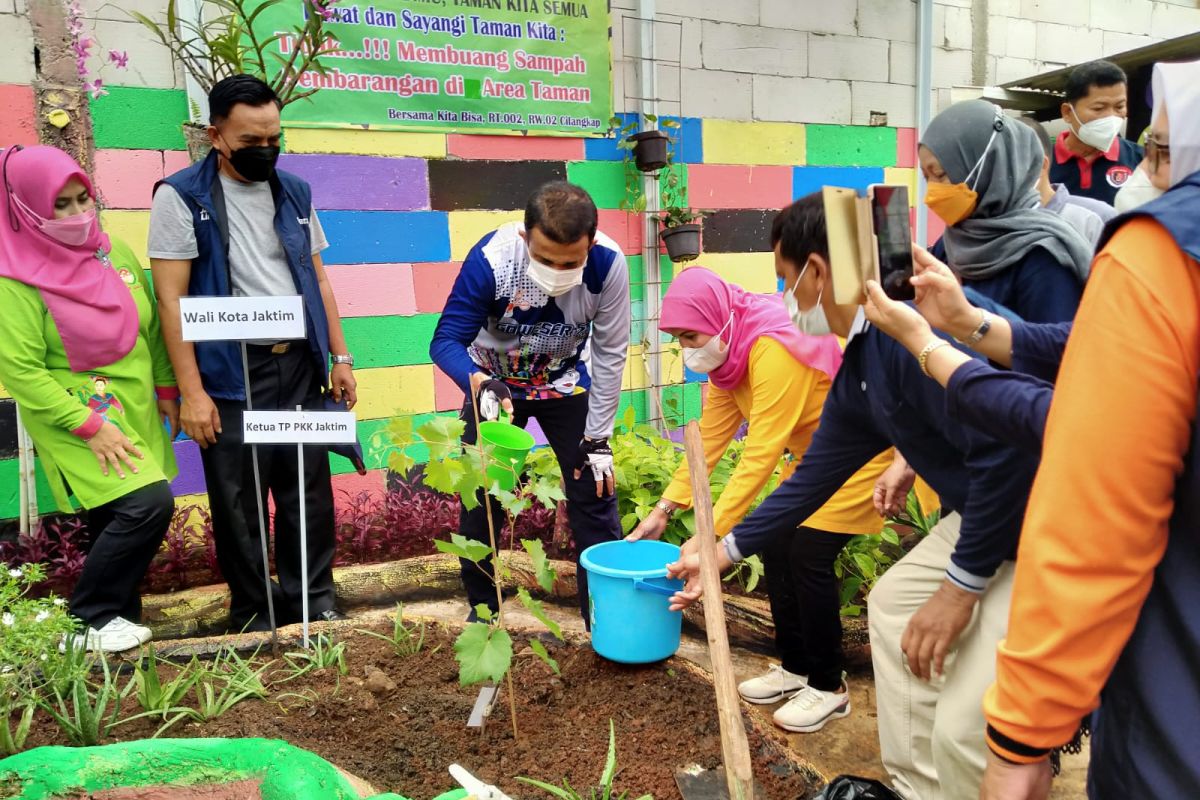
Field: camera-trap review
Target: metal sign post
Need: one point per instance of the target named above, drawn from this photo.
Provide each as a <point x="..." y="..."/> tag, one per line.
<point x="262" y="514"/>
<point x="303" y="541"/>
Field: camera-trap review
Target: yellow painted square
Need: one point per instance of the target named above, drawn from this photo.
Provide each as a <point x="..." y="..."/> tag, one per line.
<point x="759" y="143"/>
<point x="131" y="227"/>
<point x="394" y="391"/>
<point x="635" y="374"/>
<point x="903" y="176"/>
<point x="468" y="227"/>
<point x="364" y="142"/>
<point x="754" y="272"/>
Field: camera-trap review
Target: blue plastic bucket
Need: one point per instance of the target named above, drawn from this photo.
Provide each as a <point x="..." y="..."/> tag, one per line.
<point x="629" y="591"/>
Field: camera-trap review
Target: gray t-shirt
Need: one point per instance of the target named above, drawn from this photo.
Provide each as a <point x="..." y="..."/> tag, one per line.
<point x="257" y="263"/>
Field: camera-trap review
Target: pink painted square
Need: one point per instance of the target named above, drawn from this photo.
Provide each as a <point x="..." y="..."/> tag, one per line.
<point x="432" y="283"/>
<point x="126" y="178"/>
<point x="626" y="229"/>
<point x="446" y="394"/>
<point x="17" y="123"/>
<point x="373" y="290"/>
<point x="906" y="147"/>
<point x="721" y="186"/>
<point x="353" y="484"/>
<point x="515" y="148"/>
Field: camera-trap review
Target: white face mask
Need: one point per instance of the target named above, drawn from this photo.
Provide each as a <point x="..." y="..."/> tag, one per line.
<point x="1099" y="133"/>
<point x="554" y="282"/>
<point x="709" y="357"/>
<point x="813" y="320"/>
<point x="1137" y="191"/>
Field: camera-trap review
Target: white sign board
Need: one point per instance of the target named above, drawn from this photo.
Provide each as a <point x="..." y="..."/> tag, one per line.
<point x="299" y="427"/>
<point x="208" y="319"/>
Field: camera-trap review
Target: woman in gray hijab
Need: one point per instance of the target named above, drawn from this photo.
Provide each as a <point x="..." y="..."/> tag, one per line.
<point x="982" y="170"/>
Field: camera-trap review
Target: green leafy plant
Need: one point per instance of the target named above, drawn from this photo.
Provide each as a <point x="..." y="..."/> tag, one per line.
<point x="30" y="630"/>
<point x="484" y="649"/>
<point x="227" y="42"/>
<point x="228" y="680"/>
<point x="157" y="697"/>
<point x="406" y="640"/>
<point x="85" y="711"/>
<point x="623" y="129"/>
<point x="323" y="654"/>
<point x="865" y="558"/>
<point x="603" y="791"/>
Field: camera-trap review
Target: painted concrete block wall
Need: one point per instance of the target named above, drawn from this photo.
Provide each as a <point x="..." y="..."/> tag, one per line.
<point x="776" y="97"/>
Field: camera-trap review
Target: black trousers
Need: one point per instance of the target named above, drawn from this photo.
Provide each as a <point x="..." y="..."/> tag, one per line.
<point x="593" y="519"/>
<point x="125" y="535"/>
<point x="277" y="382"/>
<point x="805" y="604"/>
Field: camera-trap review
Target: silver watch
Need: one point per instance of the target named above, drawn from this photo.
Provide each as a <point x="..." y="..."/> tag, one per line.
<point x="346" y="359"/>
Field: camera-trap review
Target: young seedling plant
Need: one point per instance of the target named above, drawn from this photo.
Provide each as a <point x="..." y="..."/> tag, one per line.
<point x="406" y="640"/>
<point x="484" y="649"/>
<point x="604" y="791"/>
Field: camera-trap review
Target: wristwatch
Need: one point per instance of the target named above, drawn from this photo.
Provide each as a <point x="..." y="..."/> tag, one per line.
<point x="665" y="507"/>
<point x="981" y="330"/>
<point x="346" y="359"/>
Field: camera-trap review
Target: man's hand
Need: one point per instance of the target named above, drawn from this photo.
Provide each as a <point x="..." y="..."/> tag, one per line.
<point x="687" y="569"/>
<point x="169" y="411"/>
<point x="491" y="395"/>
<point x="898" y="320"/>
<point x="935" y="627"/>
<point x="111" y="447"/>
<point x="893" y="486"/>
<point x="343" y="385"/>
<point x="199" y="418"/>
<point x="596" y="455"/>
<point x="940" y="296"/>
<point x="1006" y="781"/>
<point x="652" y="527"/>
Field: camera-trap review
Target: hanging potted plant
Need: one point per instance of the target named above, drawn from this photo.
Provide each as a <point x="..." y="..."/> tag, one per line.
<point x="225" y="43"/>
<point x="680" y="233"/>
<point x="649" y="148"/>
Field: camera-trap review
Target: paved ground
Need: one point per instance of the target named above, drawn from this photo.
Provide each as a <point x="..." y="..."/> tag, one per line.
<point x="849" y="745"/>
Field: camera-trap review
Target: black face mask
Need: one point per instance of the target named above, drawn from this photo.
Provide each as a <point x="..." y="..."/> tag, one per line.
<point x="254" y="163"/>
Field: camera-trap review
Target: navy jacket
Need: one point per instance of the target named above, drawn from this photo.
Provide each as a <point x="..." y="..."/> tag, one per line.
<point x="1039" y="289"/>
<point x="220" y="363"/>
<point x="880" y="399"/>
<point x="1012" y="405"/>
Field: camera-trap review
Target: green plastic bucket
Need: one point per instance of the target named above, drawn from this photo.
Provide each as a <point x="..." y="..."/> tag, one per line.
<point x="509" y="446"/>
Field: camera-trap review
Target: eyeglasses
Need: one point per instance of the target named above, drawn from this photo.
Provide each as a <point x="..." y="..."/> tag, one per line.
<point x="1157" y="152"/>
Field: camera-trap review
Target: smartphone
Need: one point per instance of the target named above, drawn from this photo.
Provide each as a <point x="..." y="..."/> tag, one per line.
<point x="893" y="239"/>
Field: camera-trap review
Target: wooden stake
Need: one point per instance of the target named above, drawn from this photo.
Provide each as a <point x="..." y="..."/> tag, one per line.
<point x="734" y="748"/>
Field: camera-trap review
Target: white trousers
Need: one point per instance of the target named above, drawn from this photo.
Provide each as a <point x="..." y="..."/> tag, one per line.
<point x="931" y="734"/>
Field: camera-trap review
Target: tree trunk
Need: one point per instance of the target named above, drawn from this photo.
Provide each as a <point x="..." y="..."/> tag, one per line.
<point x="58" y="86"/>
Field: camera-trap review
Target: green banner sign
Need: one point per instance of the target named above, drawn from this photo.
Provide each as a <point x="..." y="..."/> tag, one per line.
<point x="542" y="66"/>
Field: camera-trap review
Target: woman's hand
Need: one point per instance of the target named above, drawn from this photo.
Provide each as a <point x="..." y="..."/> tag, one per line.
<point x="652" y="527"/>
<point x="898" y="320"/>
<point x="111" y="448"/>
<point x="169" y="411"/>
<point x="940" y="296"/>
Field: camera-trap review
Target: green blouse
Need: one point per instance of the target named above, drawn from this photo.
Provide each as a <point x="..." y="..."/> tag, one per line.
<point x="54" y="402"/>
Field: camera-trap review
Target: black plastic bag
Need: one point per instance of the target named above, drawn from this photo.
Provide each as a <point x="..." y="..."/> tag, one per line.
<point x="850" y="787"/>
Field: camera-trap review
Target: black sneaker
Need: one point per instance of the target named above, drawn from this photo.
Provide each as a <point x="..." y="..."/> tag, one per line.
<point x="331" y="615"/>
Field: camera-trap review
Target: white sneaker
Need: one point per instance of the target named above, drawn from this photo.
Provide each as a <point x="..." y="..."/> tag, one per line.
<point x="117" y="636"/>
<point x="810" y="708"/>
<point x="771" y="687"/>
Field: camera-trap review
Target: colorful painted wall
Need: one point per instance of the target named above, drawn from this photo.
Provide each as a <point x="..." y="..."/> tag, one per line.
<point x="402" y="210"/>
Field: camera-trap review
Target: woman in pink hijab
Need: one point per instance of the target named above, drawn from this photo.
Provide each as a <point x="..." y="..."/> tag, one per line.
<point x="762" y="370"/>
<point x="80" y="352"/>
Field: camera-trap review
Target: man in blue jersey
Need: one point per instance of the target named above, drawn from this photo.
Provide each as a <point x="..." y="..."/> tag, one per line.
<point x="538" y="324"/>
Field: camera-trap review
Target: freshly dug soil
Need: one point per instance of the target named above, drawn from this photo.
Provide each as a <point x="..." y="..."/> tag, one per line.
<point x="403" y="738"/>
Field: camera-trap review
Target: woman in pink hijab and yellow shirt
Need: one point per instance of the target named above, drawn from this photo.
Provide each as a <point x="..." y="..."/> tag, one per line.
<point x="81" y="353"/>
<point x="763" y="371"/>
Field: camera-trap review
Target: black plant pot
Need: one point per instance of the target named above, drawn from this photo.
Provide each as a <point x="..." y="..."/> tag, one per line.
<point x="650" y="150"/>
<point x="682" y="241"/>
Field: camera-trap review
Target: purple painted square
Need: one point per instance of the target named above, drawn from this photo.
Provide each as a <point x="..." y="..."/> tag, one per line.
<point x="191" y="473"/>
<point x="362" y="183"/>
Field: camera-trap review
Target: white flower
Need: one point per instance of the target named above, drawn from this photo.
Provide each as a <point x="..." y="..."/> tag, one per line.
<point x="45" y="657"/>
<point x="14" y="573"/>
<point x="7" y="668"/>
<point x="58" y="601"/>
<point x="8" y="619"/>
<point x="42" y="616"/>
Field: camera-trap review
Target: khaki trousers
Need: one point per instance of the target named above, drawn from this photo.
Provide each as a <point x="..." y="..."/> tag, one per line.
<point x="931" y="734"/>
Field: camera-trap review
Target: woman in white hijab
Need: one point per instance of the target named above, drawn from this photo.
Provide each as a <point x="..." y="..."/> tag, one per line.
<point x="1106" y="600"/>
